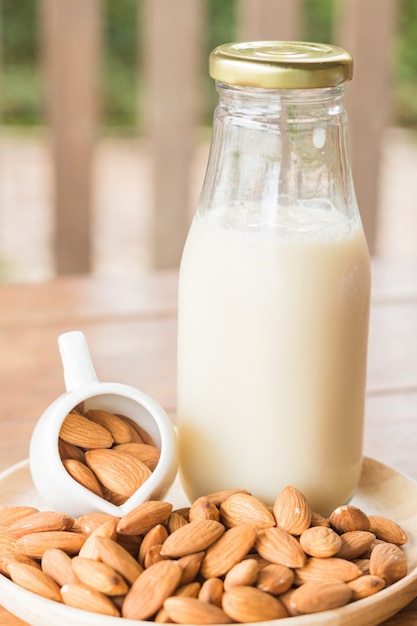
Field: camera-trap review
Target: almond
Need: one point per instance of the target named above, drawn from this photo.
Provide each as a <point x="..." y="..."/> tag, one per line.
<point x="348" y="517"/>
<point x="87" y="598"/>
<point x="202" y="508"/>
<point x="153" y="555"/>
<point x="89" y="522"/>
<point x="279" y="546"/>
<point x="363" y="564"/>
<point x="155" y="536"/>
<point x="142" y="434"/>
<point x="212" y="591"/>
<point x="389" y="562"/>
<point x="313" y="597"/>
<point x="118" y="471"/>
<point x="41" y="521"/>
<point x="117" y="426"/>
<point x="7" y="540"/>
<point x="57" y="565"/>
<point x="387" y="530"/>
<point x="232" y="546"/>
<point x="242" y="508"/>
<point x="194" y="537"/>
<point x="7" y="557"/>
<point x="355" y="543"/>
<point x="217" y="497"/>
<point x="275" y="579"/>
<point x="243" y="573"/>
<point x="249" y="604"/>
<point x="151" y="589"/>
<point x="143" y="451"/>
<point x="175" y="521"/>
<point x="320" y="541"/>
<point x="12" y="514"/>
<point x="184" y="610"/>
<point x="81" y="432"/>
<point x="143" y="517"/>
<point x="190" y="564"/>
<point x="188" y="591"/>
<point x="90" y="548"/>
<point x="35" y="544"/>
<point x="292" y="511"/>
<point x="319" y="520"/>
<point x="69" y="451"/>
<point x="34" y="580"/>
<point x="317" y="569"/>
<point x="365" y="586"/>
<point x="99" y="575"/>
<point x="191" y="590"/>
<point x="114" y="555"/>
<point x="83" y="475"/>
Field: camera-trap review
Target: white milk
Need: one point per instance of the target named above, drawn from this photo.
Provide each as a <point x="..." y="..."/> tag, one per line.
<point x="272" y="358"/>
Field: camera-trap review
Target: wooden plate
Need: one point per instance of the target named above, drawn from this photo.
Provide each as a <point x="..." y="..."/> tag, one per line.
<point x="381" y="491"/>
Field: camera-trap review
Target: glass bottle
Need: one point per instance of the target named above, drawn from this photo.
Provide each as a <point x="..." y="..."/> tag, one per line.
<point x="274" y="285"/>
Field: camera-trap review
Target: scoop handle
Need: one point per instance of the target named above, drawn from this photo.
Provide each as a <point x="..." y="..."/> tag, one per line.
<point x="76" y="360"/>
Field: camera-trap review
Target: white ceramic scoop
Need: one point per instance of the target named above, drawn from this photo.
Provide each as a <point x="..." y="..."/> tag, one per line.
<point x="56" y="487"/>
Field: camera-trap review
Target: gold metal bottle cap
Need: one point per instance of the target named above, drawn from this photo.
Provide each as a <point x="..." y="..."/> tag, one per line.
<point x="280" y="64"/>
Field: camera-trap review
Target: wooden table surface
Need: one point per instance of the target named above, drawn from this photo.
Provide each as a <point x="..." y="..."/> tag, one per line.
<point x="130" y="326"/>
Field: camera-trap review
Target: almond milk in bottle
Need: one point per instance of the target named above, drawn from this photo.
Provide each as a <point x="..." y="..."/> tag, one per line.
<point x="274" y="285"/>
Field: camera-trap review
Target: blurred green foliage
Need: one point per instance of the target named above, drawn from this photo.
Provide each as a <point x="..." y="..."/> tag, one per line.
<point x="21" y="96"/>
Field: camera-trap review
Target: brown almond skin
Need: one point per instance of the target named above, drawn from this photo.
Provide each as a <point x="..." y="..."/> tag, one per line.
<point x="34" y="580"/>
<point x="317" y="569"/>
<point x="212" y="591"/>
<point x="320" y="541"/>
<point x="348" y="517"/>
<point x="355" y="543"/>
<point x="7" y="557"/>
<point x="117" y="427"/>
<point x="114" y="555"/>
<point x="41" y="521"/>
<point x="292" y="511"/>
<point x="151" y="589"/>
<point x="119" y="472"/>
<point x="275" y="579"/>
<point x="81" y="432"/>
<point x="190" y="564"/>
<point x="202" y="508"/>
<point x="183" y="610"/>
<point x="232" y="546"/>
<point x="99" y="575"/>
<point x="87" y="598"/>
<point x="242" y="508"/>
<point x="389" y="562"/>
<point x="83" y="475"/>
<point x="35" y="544"/>
<point x="279" y="546"/>
<point x="365" y="586"/>
<point x="57" y="564"/>
<point x="314" y="597"/>
<point x="143" y="517"/>
<point x="143" y="451"/>
<point x="12" y="514"/>
<point x="154" y="537"/>
<point x="249" y="604"/>
<point x="107" y="529"/>
<point x="194" y="537"/>
<point x="387" y="530"/>
<point x="243" y="573"/>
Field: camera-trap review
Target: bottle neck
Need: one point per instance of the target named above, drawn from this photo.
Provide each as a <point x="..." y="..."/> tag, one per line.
<point x="273" y="149"/>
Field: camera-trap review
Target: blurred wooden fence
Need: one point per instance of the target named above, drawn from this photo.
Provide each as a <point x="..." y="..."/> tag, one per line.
<point x="72" y="47"/>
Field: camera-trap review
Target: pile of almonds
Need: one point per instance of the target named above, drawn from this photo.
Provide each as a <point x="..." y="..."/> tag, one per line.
<point x="226" y="558"/>
<point x="111" y="455"/>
